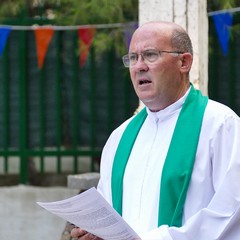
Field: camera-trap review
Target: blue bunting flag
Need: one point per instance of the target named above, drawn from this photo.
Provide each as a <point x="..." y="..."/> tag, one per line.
<point x="4" y="33"/>
<point x="223" y="24"/>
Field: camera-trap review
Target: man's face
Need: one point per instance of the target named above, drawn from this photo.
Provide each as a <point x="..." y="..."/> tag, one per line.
<point x="155" y="83"/>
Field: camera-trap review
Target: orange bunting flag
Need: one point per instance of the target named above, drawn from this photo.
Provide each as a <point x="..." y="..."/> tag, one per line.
<point x="85" y="40"/>
<point x="43" y="38"/>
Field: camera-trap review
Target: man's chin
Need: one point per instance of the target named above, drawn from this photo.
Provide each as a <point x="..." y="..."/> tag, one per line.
<point x="146" y="100"/>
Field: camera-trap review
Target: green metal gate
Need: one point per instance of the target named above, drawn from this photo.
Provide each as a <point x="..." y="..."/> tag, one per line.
<point x="61" y="109"/>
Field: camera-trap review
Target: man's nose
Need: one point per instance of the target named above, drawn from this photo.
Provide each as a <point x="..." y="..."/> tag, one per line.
<point x="140" y="64"/>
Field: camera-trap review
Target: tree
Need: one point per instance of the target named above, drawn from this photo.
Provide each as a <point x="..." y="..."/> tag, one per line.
<point x="214" y="5"/>
<point x="75" y="12"/>
<point x="72" y="12"/>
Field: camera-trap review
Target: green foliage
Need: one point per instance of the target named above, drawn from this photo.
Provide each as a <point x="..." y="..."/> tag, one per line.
<point x="11" y="8"/>
<point x="76" y="12"/>
<point x="73" y="12"/>
<point x="97" y="11"/>
<point x="214" y="5"/>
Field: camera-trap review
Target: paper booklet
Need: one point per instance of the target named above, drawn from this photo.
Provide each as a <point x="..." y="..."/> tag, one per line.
<point x="91" y="212"/>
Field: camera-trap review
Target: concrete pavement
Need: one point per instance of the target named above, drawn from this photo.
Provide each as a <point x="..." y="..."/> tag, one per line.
<point x="22" y="219"/>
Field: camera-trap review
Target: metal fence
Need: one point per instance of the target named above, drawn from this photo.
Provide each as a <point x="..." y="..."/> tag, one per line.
<point x="60" y="110"/>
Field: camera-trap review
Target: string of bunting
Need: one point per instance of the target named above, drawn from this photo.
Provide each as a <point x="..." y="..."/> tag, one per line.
<point x="44" y="35"/>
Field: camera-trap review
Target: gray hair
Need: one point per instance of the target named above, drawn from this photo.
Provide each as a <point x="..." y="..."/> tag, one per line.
<point x="181" y="41"/>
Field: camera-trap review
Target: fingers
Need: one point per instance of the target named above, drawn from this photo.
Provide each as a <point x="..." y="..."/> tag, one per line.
<point x="90" y="236"/>
<point x="77" y="232"/>
<point x="80" y="234"/>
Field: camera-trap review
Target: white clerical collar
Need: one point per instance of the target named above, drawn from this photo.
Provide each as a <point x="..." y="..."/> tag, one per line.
<point x="169" y="111"/>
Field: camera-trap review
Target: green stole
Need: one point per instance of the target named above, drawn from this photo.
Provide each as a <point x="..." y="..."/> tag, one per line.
<point x="178" y="165"/>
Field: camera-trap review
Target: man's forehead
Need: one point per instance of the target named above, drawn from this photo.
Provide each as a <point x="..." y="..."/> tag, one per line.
<point x="154" y="30"/>
<point x="149" y="38"/>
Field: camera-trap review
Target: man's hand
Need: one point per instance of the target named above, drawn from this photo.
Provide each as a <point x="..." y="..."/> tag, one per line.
<point x="80" y="234"/>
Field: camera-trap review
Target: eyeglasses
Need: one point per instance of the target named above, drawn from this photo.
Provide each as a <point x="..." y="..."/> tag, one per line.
<point x="149" y="56"/>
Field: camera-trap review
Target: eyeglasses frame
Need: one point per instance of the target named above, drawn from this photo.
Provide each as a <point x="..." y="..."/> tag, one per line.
<point x="159" y="51"/>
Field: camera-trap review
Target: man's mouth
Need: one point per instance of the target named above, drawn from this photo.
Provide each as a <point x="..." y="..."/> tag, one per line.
<point x="141" y="82"/>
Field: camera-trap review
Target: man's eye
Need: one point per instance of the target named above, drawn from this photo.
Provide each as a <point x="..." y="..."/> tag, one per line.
<point x="133" y="57"/>
<point x="150" y="55"/>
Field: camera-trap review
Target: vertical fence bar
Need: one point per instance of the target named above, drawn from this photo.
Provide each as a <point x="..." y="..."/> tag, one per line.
<point x="232" y="76"/>
<point x="213" y="85"/>
<point x="93" y="103"/>
<point x="75" y="102"/>
<point x="58" y="98"/>
<point x="5" y="107"/>
<point x="110" y="90"/>
<point x="42" y="125"/>
<point x="22" y="113"/>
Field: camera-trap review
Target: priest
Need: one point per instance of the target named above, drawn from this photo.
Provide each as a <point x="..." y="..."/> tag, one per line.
<point x="172" y="171"/>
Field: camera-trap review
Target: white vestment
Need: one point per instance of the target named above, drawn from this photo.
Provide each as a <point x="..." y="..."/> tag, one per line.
<point x="212" y="206"/>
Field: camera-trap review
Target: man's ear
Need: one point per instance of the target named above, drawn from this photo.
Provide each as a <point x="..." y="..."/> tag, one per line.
<point x="186" y="59"/>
